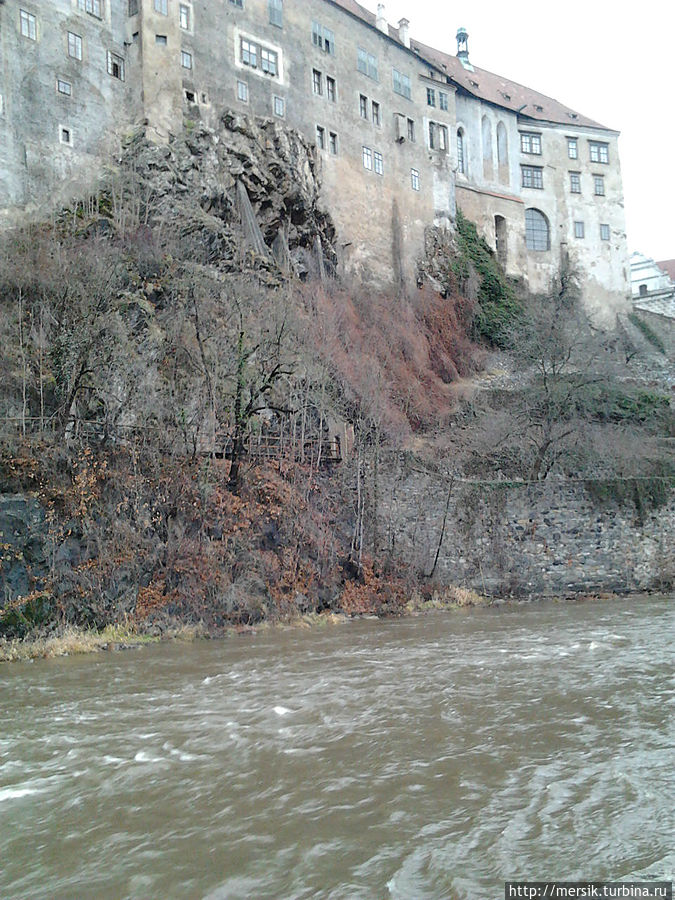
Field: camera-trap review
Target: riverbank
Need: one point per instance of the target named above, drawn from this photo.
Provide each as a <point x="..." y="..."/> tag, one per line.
<point x="73" y="641"/>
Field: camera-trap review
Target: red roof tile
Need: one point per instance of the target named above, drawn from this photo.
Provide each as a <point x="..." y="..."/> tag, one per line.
<point x="668" y="266"/>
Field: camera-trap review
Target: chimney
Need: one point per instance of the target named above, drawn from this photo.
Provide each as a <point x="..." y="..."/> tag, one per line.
<point x="463" y="48"/>
<point x="404" y="33"/>
<point x="381" y="20"/>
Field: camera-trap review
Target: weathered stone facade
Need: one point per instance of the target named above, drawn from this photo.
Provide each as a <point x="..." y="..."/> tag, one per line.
<point x="406" y="133"/>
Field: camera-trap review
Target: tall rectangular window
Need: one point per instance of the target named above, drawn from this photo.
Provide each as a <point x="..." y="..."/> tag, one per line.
<point x="249" y="53"/>
<point x="411" y="130"/>
<point x="276" y="12"/>
<point x="269" y="61"/>
<point x="320" y="137"/>
<point x="333" y="143"/>
<point x="132" y="8"/>
<point x="366" y="63"/>
<point x="317" y="82"/>
<point x="599" y="185"/>
<point x="115" y="66"/>
<point x="575" y="182"/>
<point x="415" y="179"/>
<point x="185" y="17"/>
<point x="367" y="158"/>
<point x="572" y="148"/>
<point x="331" y="89"/>
<point x="532" y="177"/>
<point x="28" y="24"/>
<point x="242" y="91"/>
<point x="74" y="45"/>
<point x="604" y="232"/>
<point x="443" y="101"/>
<point x="378" y="163"/>
<point x="599" y="151"/>
<point x="93" y="7"/>
<point x="323" y="38"/>
<point x="579" y="230"/>
<point x="363" y="106"/>
<point x="431" y="97"/>
<point x="402" y="84"/>
<point x="162" y="7"/>
<point x="185" y="59"/>
<point x="530" y="143"/>
<point x="377" y="118"/>
<point x="279" y="107"/>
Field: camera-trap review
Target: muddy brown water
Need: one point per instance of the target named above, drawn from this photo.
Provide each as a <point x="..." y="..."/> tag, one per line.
<point x="424" y="758"/>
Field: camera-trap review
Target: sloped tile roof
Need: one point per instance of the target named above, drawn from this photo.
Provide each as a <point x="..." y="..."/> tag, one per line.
<point x="668" y="266"/>
<point x="485" y="85"/>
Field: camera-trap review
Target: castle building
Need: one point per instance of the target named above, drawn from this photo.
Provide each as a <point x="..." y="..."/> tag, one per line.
<point x="406" y="133"/>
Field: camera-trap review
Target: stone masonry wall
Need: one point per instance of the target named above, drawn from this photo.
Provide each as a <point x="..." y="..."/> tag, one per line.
<point x="524" y="539"/>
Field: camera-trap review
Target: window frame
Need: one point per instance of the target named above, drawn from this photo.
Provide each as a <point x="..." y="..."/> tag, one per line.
<point x="530" y="143"/>
<point x="186" y="57"/>
<point x="333" y="146"/>
<point x="378" y="162"/>
<point x="367" y="158"/>
<point x="279" y="103"/>
<point x="185" y="16"/>
<point x="115" y="61"/>
<point x="415" y="179"/>
<point x="376" y="113"/>
<point x="331" y="89"/>
<point x="599" y="152"/>
<point x="317" y="82"/>
<point x="28" y="25"/>
<point x="573" y="148"/>
<point x="323" y="38"/>
<point x="579" y="230"/>
<point x="533" y="234"/>
<point x="62" y="81"/>
<point x="242" y="91"/>
<point x="74" y="42"/>
<point x="605" y="231"/>
<point x="412" y="131"/>
<point x="532" y="177"/>
<point x="599" y="186"/>
<point x="367" y="64"/>
<point x="431" y="96"/>
<point x="575" y="182"/>
<point x="320" y="137"/>
<point x="161" y="7"/>
<point x="275" y="10"/>
<point x="443" y="103"/>
<point x="401" y="84"/>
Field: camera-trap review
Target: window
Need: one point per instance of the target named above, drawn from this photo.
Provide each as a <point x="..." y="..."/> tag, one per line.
<point x="184" y="17"/>
<point x="377" y="119"/>
<point x="64" y="87"/>
<point x="431" y="97"/>
<point x="115" y="66"/>
<point x="402" y="84"/>
<point x="331" y="89"/>
<point x="537" y="234"/>
<point x="575" y="182"/>
<point x="133" y="8"/>
<point x="333" y="143"/>
<point x="461" y="160"/>
<point x="317" y="82"/>
<point x="249" y="53"/>
<point x="239" y="3"/>
<point x="367" y="158"/>
<point x="276" y="11"/>
<point x="530" y="143"/>
<point x="363" y="106"/>
<point x="415" y="179"/>
<point x="599" y="185"/>
<point x="579" y="231"/>
<point x="93" y="7"/>
<point x="411" y="130"/>
<point x="74" y="45"/>
<point x="323" y="38"/>
<point x="572" y="148"/>
<point x="320" y="137"/>
<point x="438" y="137"/>
<point x="379" y="163"/>
<point x="644" y="290"/>
<point x="532" y="177"/>
<point x="190" y="97"/>
<point x="366" y="63"/>
<point x="161" y="39"/>
<point x="162" y="7"/>
<point x="28" y="24"/>
<point x="65" y="135"/>
<point x="185" y="59"/>
<point x="443" y="101"/>
<point x="269" y="61"/>
<point x="599" y="152"/>
<point x="279" y="107"/>
<point x="502" y="145"/>
<point x="604" y="232"/>
<point x="242" y="91"/>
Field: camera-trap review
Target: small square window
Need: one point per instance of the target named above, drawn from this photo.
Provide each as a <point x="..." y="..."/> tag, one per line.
<point x="367" y="158"/>
<point x="443" y="101"/>
<point x="415" y="179"/>
<point x="64" y="87"/>
<point x="162" y="7"/>
<point x="185" y="17"/>
<point x="28" y="24"/>
<point x="575" y="182"/>
<point x="604" y="232"/>
<point x="317" y="81"/>
<point x="185" y="59"/>
<point x="599" y="185"/>
<point x="333" y="143"/>
<point x="572" y="148"/>
<point x="378" y="163"/>
<point x="279" y="107"/>
<point x="190" y="97"/>
<point x="431" y="97"/>
<point x="242" y="91"/>
<point x="74" y="45"/>
<point x="161" y="39"/>
<point x="320" y="137"/>
<point x="579" y="230"/>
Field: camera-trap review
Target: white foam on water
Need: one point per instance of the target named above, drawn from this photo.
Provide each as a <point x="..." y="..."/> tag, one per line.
<point x="16" y="793"/>
<point x="142" y="756"/>
<point x="281" y="710"/>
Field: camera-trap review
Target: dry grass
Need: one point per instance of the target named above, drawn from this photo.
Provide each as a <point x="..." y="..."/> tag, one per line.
<point x="72" y="642"/>
<point x="451" y="597"/>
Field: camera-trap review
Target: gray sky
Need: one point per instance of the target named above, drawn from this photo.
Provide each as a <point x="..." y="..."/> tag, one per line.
<point x="611" y="61"/>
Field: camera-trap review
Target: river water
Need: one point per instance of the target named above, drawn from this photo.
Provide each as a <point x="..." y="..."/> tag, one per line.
<point x="410" y="759"/>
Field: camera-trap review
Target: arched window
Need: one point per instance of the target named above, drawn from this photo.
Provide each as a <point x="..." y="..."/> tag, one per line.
<point x="461" y="157"/>
<point x="502" y="145"/>
<point x="537" y="231"/>
<point x="488" y="164"/>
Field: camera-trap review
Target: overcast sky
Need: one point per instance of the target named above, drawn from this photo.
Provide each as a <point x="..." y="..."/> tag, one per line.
<point x="613" y="62"/>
